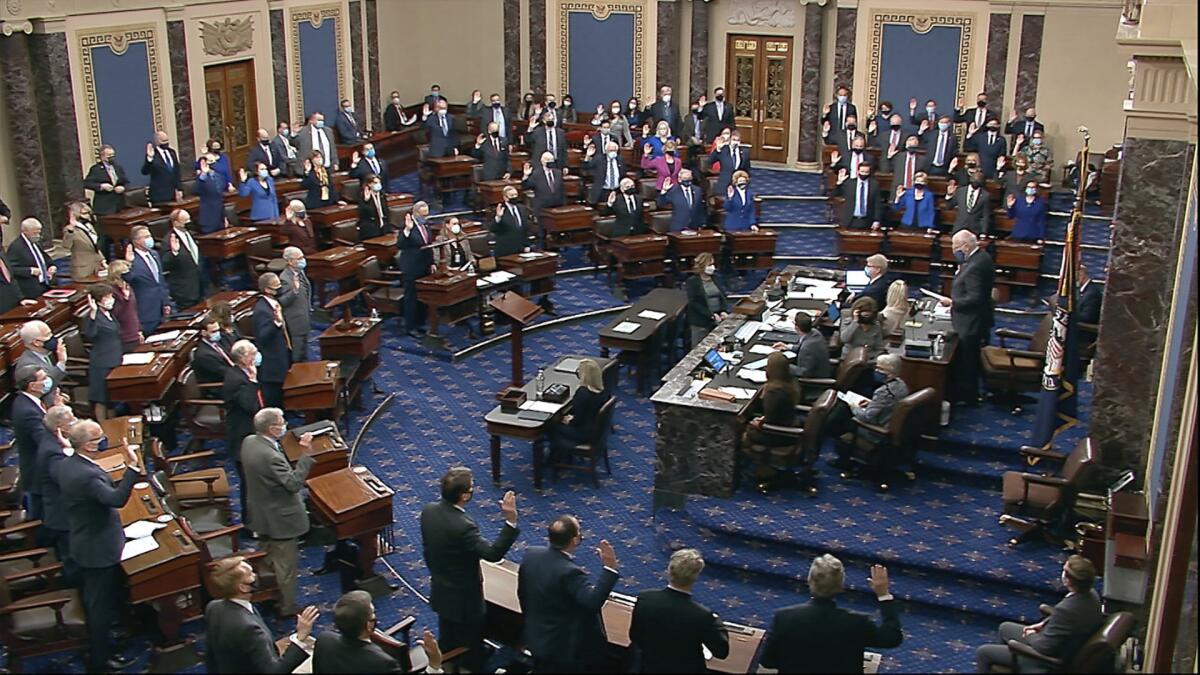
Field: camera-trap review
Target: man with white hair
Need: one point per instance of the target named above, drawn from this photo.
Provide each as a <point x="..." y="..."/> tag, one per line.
<point x="669" y="628"/>
<point x="54" y="446"/>
<point x="273" y="497"/>
<point x="627" y="209"/>
<point x="243" y="399"/>
<point x="43" y="351"/>
<point x="297" y="229"/>
<point x="295" y="295"/>
<point x="819" y="636"/>
<point x="546" y="182"/>
<point x="971" y="311"/>
<point x="607" y="167"/>
<point x="877" y="410"/>
<point x="26" y="419"/>
<point x="31" y="264"/>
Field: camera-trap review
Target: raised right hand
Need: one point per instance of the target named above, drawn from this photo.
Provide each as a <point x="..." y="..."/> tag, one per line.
<point x="1010" y="200"/>
<point x="242" y="175"/>
<point x="305" y="621"/>
<point x="912" y="103"/>
<point x="508" y="506"/>
<point x="308" y="165"/>
<point x="129" y="253"/>
<point x="499" y="210"/>
<point x="149" y="151"/>
<point x="879" y="580"/>
<point x="479" y="140"/>
<point x="608" y="557"/>
<point x="354" y="157"/>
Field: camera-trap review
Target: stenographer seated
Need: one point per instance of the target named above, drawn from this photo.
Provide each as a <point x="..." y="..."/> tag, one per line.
<point x="862" y="329"/>
<point x="780" y="396"/>
<point x="579" y="426"/>
<point x="875" y="410"/>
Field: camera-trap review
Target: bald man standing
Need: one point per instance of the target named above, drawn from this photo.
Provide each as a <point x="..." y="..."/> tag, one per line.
<point x="971" y="312"/>
<point x="162" y="166"/>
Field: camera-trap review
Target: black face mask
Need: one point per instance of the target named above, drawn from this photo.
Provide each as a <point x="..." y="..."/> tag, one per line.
<point x="864" y="176"/>
<point x="885" y="112"/>
<point x="993" y="129"/>
<point x="629" y="190"/>
<point x="858" y="151"/>
<point x="851" y="127"/>
<point x="495" y="105"/>
<point x="1030" y="118"/>
<point x="866" y="318"/>
<point x="977" y="184"/>
<point x="550" y="165"/>
<point x="493" y="134"/>
<point x="982" y="104"/>
<point x="685" y="183"/>
<point x="919" y="186"/>
<point x="972" y="164"/>
<point x="550" y="104"/>
<point x="264" y="141"/>
<point x="549" y="124"/>
<point x="721" y="97"/>
<point x="911" y="148"/>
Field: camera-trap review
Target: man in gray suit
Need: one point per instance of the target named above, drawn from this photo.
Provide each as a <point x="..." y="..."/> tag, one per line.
<point x="296" y="297"/>
<point x="314" y="136"/>
<point x="283" y="146"/>
<point x="276" y="507"/>
<point x="37" y="338"/>
<point x="1059" y="635"/>
<point x="812" y="352"/>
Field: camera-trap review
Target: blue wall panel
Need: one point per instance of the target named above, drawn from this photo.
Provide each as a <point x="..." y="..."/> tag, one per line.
<point x="318" y="68"/>
<point x="600" y="59"/>
<point x="920" y="65"/>
<point x="124" y="106"/>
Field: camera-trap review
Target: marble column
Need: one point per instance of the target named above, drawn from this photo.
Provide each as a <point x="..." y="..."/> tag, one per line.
<point x="512" y="52"/>
<point x="537" y="47"/>
<point x="1029" y="60"/>
<point x="185" y="135"/>
<point x="810" y="88"/>
<point x="698" y="66"/>
<point x="843" y="55"/>
<point x="1147" y="226"/>
<point x="997" y="60"/>
<point x="56" y="120"/>
<point x="667" y="68"/>
<point x="377" y="95"/>
<point x="358" y="74"/>
<point x="279" y="68"/>
<point x="17" y="78"/>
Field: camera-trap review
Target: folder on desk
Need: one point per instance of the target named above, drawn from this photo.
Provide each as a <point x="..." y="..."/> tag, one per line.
<point x="137" y="358"/>
<point x="136" y="547"/>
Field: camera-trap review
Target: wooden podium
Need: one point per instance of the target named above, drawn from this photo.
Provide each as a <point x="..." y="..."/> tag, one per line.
<point x="449" y="293"/>
<point x="356" y="505"/>
<point x="537" y="268"/>
<point x="752" y="250"/>
<point x="328" y="449"/>
<point x="639" y="256"/>
<point x="312" y="387"/>
<point x="520" y="312"/>
<point x="571" y="225"/>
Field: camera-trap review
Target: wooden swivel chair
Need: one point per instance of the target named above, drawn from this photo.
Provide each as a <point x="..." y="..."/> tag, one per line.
<point x="204" y="417"/>
<point x="42" y="623"/>
<point x="602" y="247"/>
<point x="800" y="453"/>
<point x="222" y="543"/>
<point x="597" y="447"/>
<point x="383" y="295"/>
<point x="259" y="253"/>
<point x="1042" y="505"/>
<point x="1097" y="655"/>
<point x="849" y="371"/>
<point x="208" y="486"/>
<point x="1008" y="372"/>
<point x="877" y="451"/>
<point x="344" y="233"/>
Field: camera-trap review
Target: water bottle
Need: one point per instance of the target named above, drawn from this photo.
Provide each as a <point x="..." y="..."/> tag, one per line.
<point x="939" y="347"/>
<point x="374" y="314"/>
<point x="540" y="383"/>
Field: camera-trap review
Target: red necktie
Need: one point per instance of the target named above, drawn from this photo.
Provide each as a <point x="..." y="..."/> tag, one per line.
<point x="258" y="394"/>
<point x="4" y="269"/>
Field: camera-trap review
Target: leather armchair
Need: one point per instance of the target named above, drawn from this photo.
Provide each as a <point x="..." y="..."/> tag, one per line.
<point x="208" y="486"/>
<point x="601" y="251"/>
<point x="850" y="369"/>
<point x="344" y="234"/>
<point x="203" y="416"/>
<point x="1040" y="505"/>
<point x="597" y="447"/>
<point x="1008" y="371"/>
<point x="42" y="623"/>
<point x="222" y="543"/>
<point x="877" y="451"/>
<point x="800" y="453"/>
<point x="383" y="295"/>
<point x="1097" y="655"/>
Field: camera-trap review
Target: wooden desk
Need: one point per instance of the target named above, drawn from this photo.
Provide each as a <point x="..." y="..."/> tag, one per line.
<point x="357" y="505"/>
<point x="504" y="619"/>
<point x="536" y="268"/>
<point x="652" y="335"/>
<point x="571" y="225"/>
<point x="500" y="423"/>
<point x="57" y="314"/>
<point x="325" y="217"/>
<point x="489" y="193"/>
<point x="640" y="256"/>
<point x="1018" y="264"/>
<point x="329" y="452"/>
<point x="397" y="148"/>
<point x="452" y="173"/>
<point x="191" y="204"/>
<point x="146" y="383"/>
<point x="355" y="344"/>
<point x="181" y="344"/>
<point x="451" y="296"/>
<point x="855" y="243"/>
<point x="312" y="387"/>
<point x="116" y="226"/>
<point x="911" y="249"/>
<point x="686" y="245"/>
<point x="338" y="265"/>
<point x="239" y="303"/>
<point x="227" y="243"/>
<point x="752" y="250"/>
<point x="383" y="248"/>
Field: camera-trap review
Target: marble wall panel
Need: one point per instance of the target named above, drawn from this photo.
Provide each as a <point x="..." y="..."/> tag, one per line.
<point x="699" y="50"/>
<point x="512" y="52"/>
<point x="843" y="55"/>
<point x="695" y="451"/>
<point x="377" y="96"/>
<point x="17" y="78"/>
<point x="1029" y="60"/>
<point x="56" y="120"/>
<point x="358" y="74"/>
<point x="810" y="89"/>
<point x="185" y="139"/>
<point x="537" y="47"/>
<point x="997" y="59"/>
<point x="668" y="44"/>
<point x="279" y="68"/>
<point x="1137" y="297"/>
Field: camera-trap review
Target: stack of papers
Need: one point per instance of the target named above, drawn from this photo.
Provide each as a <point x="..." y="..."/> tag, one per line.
<point x="755" y="376"/>
<point x="137" y="359"/>
<point x="852" y="399"/>
<point x="142" y="528"/>
<point x="761" y="349"/>
<point x="811" y="281"/>
<point x="738" y="392"/>
<point x="626" y="327"/>
<point x="529" y="256"/>
<point x="162" y="337"/>
<point x="756" y="365"/>
<point x="542" y="406"/>
<point x="499" y="276"/>
<point x="651" y="314"/>
<point x="141" y="538"/>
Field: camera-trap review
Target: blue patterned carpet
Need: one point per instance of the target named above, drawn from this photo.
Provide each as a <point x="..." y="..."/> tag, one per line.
<point x="938" y="536"/>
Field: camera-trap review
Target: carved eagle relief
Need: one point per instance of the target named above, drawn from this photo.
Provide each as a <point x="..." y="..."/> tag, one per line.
<point x="227" y="37"/>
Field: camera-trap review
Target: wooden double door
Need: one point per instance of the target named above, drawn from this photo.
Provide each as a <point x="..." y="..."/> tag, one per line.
<point x="759" y="77"/>
<point x="232" y="104"/>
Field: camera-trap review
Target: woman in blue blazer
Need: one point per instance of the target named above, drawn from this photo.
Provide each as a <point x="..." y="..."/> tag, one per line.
<point x="218" y="161"/>
<point x="210" y="188"/>
<point x="917" y="205"/>
<point x="1028" y="213"/>
<point x="739" y="204"/>
<point x="261" y="190"/>
<point x="103" y="331"/>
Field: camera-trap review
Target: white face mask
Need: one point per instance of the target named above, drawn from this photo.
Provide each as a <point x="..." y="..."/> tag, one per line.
<point x="108" y="303"/>
<point x="667" y="98"/>
<point x="455" y="229"/>
<point x="710" y="269"/>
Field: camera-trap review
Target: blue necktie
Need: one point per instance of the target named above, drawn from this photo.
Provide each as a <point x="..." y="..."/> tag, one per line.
<point x="860" y="208"/>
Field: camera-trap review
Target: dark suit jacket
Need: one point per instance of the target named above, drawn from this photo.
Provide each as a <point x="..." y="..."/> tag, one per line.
<point x="391" y="117"/>
<point x="365" y="169"/>
<point x="539" y="142"/>
<point x="453" y="547"/>
<point x="414" y="260"/>
<point x="336" y="653"/>
<point x="239" y="641"/>
<point x="511" y="233"/>
<point x="837" y="115"/>
<point x="877" y="291"/>
<point x="659" y="111"/>
<point x="10" y="290"/>
<point x="209" y="365"/>
<point x="270" y="341"/>
<point x="988" y="152"/>
<point x="971" y="313"/>
<point x="276" y="160"/>
<point x="374" y="219"/>
<point x="495" y="162"/>
<point x="441" y="144"/>
<point x="598" y="165"/>
<point x="348" y="127"/>
<point x="26" y="420"/>
<point x="561" y="607"/>
<point x="211" y="191"/>
<point x="668" y="628"/>
<point x="164" y="180"/>
<point x="92" y="500"/>
<point x="931" y="140"/>
<point x="543" y="194"/>
<point x="54" y="511"/>
<point x="714" y="124"/>
<point x="1072" y="622"/>
<point x="21" y="260"/>
<point x="820" y="637"/>
<point x="1018" y="126"/>
<point x="725" y="157"/>
<point x="628" y="222"/>
<point x="152" y="294"/>
<point x="976" y="219"/>
<point x="241" y="397"/>
<point x="104" y="203"/>
<point x="968" y="115"/>
<point x="1090" y="297"/>
<point x="698" y="313"/>
<point x="873" y="207"/>
<point x="311" y="183"/>
<point x="682" y="217"/>
<point x="104" y="334"/>
<point x="812" y="356"/>
<point x="185" y="275"/>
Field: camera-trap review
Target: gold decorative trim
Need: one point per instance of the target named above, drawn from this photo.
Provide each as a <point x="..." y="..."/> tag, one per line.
<point x="921" y="24"/>
<point x="316" y="17"/>
<point x="118" y="41"/>
<point x="600" y="10"/>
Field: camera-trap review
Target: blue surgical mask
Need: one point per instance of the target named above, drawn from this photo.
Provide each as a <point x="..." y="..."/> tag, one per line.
<point x="377" y="187"/>
<point x="149" y="243"/>
<point x="320" y="124"/>
<point x="612" y="155"/>
<point x="371" y="152"/>
<point x="930" y="109"/>
<point x="257" y="359"/>
<point x="47" y="385"/>
<point x="1036" y="141"/>
<point x="349" y="109"/>
<point x="960" y="256"/>
<point x="214" y="337"/>
<point x="841" y="98"/>
<point x="1030" y="191"/>
<point x="263" y="173"/>
<point x="942" y="126"/>
<point x="303" y="264"/>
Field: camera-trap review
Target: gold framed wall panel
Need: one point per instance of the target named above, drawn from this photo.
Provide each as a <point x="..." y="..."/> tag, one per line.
<point x="921" y="22"/>
<point x="118" y="40"/>
<point x="601" y="11"/>
<point x="315" y="15"/>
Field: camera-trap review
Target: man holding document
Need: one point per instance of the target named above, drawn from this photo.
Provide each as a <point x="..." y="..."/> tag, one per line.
<point x="875" y="410"/>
